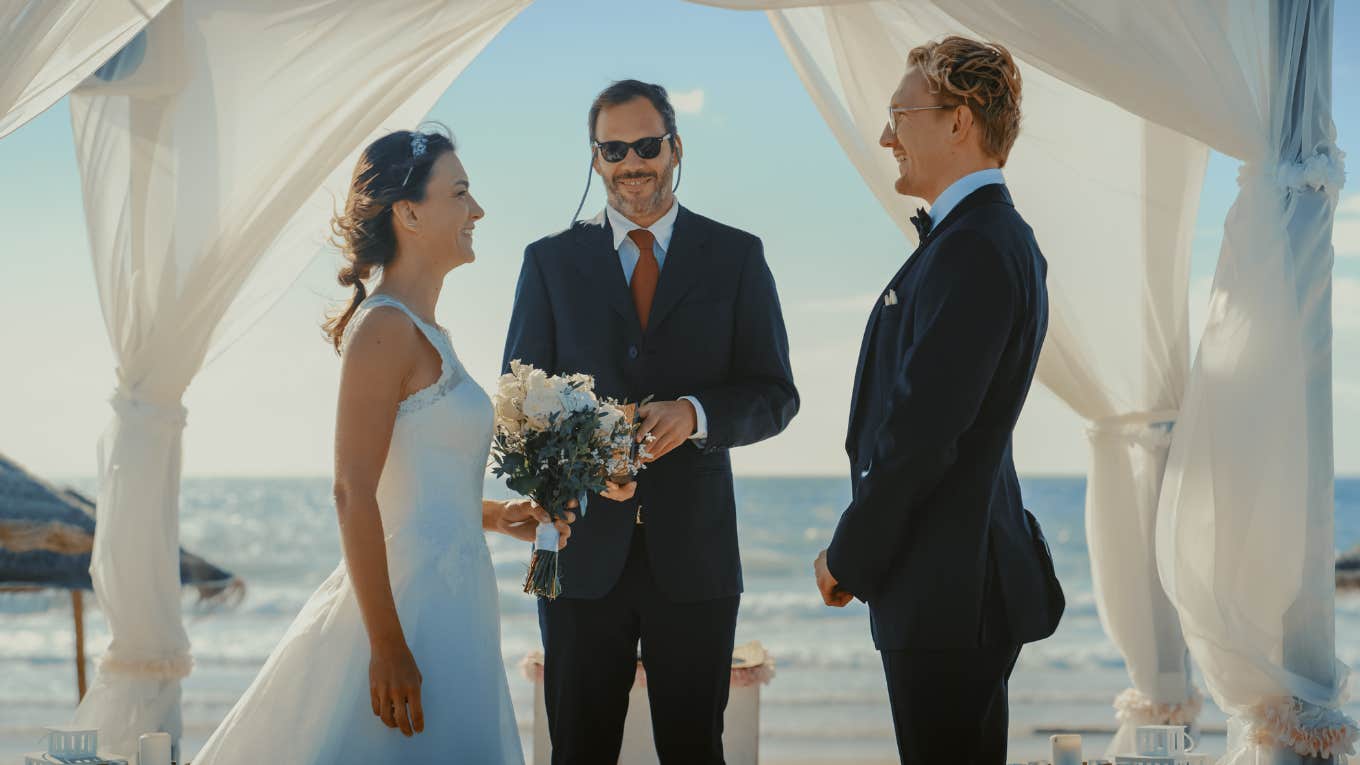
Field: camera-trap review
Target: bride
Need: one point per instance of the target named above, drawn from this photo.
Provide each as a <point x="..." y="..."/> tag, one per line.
<point x="415" y="597"/>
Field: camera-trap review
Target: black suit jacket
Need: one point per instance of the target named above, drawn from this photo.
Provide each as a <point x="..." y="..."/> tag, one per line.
<point x="715" y="332"/>
<point x="936" y="520"/>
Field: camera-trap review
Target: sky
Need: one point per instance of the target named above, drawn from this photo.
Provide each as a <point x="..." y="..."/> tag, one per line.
<point x="758" y="156"/>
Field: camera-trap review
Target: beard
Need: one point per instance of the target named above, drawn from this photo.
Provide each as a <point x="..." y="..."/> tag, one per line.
<point x="651" y="204"/>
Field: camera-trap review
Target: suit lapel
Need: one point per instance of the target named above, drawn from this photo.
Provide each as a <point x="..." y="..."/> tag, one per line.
<point x="859" y="372"/>
<point x="599" y="262"/>
<point x="684" y="266"/>
<point x="870" y="333"/>
<point x="990" y="194"/>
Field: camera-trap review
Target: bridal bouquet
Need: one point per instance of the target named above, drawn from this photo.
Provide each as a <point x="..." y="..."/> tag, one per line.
<point x="557" y="441"/>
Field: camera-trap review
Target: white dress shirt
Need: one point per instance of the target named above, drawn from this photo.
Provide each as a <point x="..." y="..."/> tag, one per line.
<point x="960" y="189"/>
<point x="662" y="230"/>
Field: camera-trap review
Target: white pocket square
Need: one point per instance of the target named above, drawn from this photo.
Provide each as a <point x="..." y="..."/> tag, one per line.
<point x="890" y="297"/>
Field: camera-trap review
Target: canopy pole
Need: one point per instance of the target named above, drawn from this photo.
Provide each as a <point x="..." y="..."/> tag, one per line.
<point x="78" y="612"/>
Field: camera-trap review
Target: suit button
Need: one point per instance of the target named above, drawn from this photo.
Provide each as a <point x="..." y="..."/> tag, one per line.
<point x="632" y="351"/>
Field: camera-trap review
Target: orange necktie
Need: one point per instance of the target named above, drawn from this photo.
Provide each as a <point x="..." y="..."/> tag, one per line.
<point x="645" y="275"/>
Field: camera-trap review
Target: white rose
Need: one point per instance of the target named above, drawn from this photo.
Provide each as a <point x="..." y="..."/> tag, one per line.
<point x="578" y="399"/>
<point x="610" y="417"/>
<point x="509" y="403"/>
<point x="534" y="379"/>
<point x="509" y="416"/>
<point x="541" y="400"/>
<point x="511" y="388"/>
<point x="520" y="370"/>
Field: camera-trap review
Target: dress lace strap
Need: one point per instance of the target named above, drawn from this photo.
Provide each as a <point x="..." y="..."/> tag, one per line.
<point x="451" y="370"/>
<point x="434" y="334"/>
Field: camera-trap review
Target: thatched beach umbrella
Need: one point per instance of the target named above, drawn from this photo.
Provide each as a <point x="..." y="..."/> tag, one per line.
<point x="1348" y="570"/>
<point x="46" y="536"/>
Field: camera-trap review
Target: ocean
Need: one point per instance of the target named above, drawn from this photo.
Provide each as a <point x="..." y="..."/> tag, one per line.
<point x="826" y="703"/>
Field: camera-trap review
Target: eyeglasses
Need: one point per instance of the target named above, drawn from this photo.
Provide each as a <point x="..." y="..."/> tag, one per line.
<point x="615" y="151"/>
<point x="893" y="111"/>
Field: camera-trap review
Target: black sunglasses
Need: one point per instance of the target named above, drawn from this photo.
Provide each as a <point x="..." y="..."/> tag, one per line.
<point x="615" y="151"/>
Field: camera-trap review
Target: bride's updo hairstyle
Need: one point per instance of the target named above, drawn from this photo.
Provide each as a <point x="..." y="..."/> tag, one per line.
<point x="392" y="168"/>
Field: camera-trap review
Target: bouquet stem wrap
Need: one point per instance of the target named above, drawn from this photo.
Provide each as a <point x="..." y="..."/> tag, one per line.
<point x="545" y="573"/>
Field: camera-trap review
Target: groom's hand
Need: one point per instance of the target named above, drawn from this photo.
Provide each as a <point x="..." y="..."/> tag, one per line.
<point x="832" y="594"/>
<point x="520" y="519"/>
<point x="671" y="423"/>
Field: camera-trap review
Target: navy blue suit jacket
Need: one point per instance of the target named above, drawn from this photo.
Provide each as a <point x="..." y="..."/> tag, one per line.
<point x="936" y="520"/>
<point x="716" y="332"/>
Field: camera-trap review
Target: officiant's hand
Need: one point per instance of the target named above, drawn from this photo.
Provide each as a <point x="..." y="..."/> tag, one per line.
<point x="832" y="594"/>
<point x="394" y="687"/>
<point x="619" y="492"/>
<point x="520" y="518"/>
<point x="671" y="423"/>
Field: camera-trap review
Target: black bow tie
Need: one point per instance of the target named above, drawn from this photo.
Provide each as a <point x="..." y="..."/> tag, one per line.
<point x="921" y="220"/>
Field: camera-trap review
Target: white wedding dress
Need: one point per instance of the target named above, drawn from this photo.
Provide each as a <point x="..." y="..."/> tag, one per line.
<point x="310" y="702"/>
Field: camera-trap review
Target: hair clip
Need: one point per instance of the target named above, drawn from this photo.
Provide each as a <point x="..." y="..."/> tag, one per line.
<point x="418" y="142"/>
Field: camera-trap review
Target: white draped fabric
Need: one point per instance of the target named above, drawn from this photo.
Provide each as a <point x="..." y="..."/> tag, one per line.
<point x="1112" y="198"/>
<point x="48" y="46"/>
<point x="210" y="154"/>
<point x="1249" y="478"/>
<point x="1251" y="471"/>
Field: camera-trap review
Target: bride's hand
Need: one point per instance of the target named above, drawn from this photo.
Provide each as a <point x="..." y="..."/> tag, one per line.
<point x="520" y="519"/>
<point x="394" y="688"/>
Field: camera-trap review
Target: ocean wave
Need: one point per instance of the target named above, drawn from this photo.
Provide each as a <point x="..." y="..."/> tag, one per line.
<point x="779" y="697"/>
<point x="806" y="603"/>
<point x="760" y="560"/>
<point x="790" y="657"/>
<point x="803" y="729"/>
<point x="1051" y="655"/>
<point x="795" y="627"/>
<point x="23" y="603"/>
<point x="1100" y="697"/>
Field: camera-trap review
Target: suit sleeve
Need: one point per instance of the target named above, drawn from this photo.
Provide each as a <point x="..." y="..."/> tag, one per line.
<point x="759" y="399"/>
<point x="964" y="314"/>
<point x="532" y="335"/>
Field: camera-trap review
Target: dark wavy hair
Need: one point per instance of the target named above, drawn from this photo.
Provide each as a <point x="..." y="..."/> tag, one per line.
<point x="387" y="173"/>
<point x="623" y="91"/>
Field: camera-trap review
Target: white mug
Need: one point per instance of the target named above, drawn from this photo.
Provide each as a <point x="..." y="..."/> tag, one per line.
<point x="1163" y="740"/>
<point x="1066" y="749"/>
<point x="153" y="749"/>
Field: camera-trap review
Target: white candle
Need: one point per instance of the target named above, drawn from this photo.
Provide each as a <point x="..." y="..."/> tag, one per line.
<point x="153" y="749"/>
<point x="1066" y="749"/>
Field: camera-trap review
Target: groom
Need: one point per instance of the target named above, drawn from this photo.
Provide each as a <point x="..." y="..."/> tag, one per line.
<point x="653" y="300"/>
<point x="936" y="539"/>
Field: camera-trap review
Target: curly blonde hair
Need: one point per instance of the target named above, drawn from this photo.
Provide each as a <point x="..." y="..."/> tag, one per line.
<point x="980" y="75"/>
